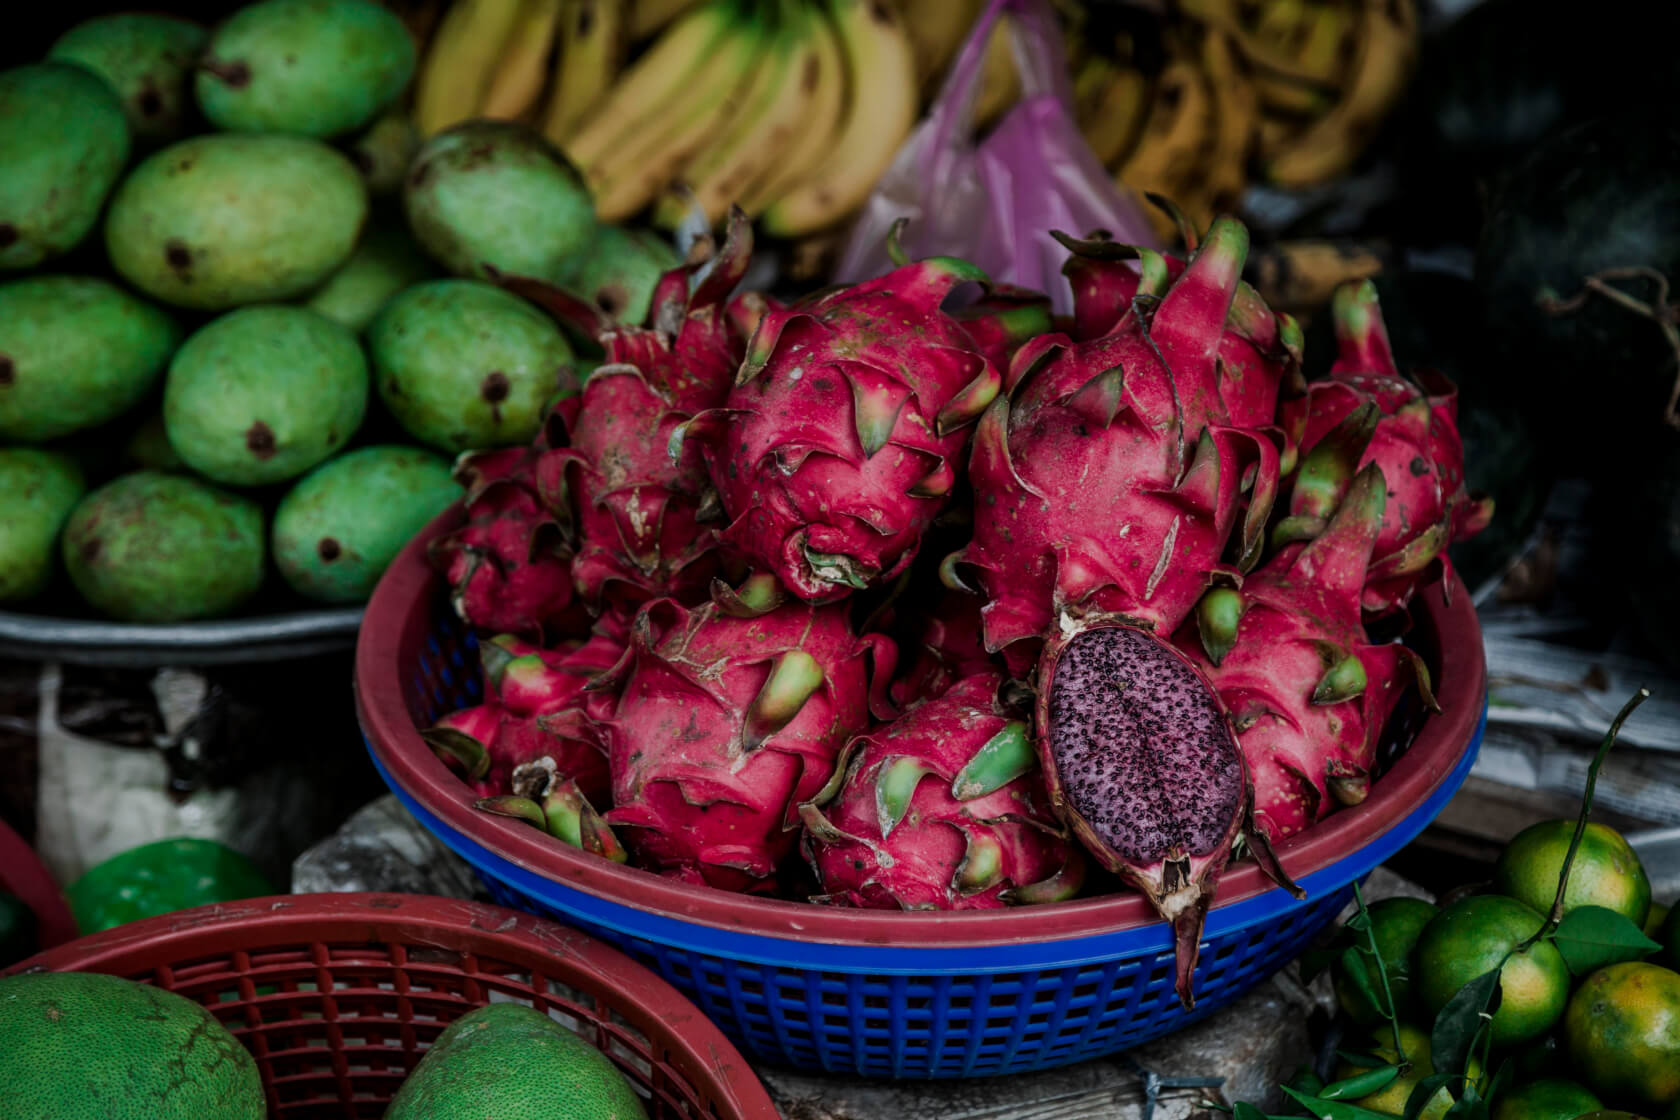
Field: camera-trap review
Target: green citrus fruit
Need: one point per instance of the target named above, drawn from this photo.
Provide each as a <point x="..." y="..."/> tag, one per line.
<point x="159" y="877"/>
<point x="1606" y="871"/>
<point x="1655" y="920"/>
<point x="1395" y="925"/>
<point x="1471" y="937"/>
<point x="1623" y="1030"/>
<point x="1392" y="1097"/>
<point x="1550" y="1099"/>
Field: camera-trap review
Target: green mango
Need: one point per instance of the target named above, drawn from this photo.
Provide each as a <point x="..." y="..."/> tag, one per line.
<point x="148" y="59"/>
<point x="262" y="394"/>
<point x="75" y="352"/>
<point x="494" y="193"/>
<point x="462" y="364"/>
<point x="340" y="527"/>
<point x="63" y="144"/>
<point x="147" y="447"/>
<point x="216" y="221"/>
<point x="38" y="489"/>
<point x="153" y="547"/>
<point x="386" y="262"/>
<point x="618" y="271"/>
<point x="382" y="153"/>
<point x="317" y="68"/>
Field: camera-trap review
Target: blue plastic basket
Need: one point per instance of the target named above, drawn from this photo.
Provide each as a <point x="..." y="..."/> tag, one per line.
<point x="957" y="995"/>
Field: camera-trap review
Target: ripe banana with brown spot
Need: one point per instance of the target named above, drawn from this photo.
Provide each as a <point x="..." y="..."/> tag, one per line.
<point x="817" y="134"/>
<point x="1236" y="117"/>
<point x="1117" y="115"/>
<point x="670" y="80"/>
<point x="517" y="85"/>
<point x="647" y="17"/>
<point x="1331" y="144"/>
<point x="882" y="105"/>
<point x="1301" y="276"/>
<point x="771" y="117"/>
<point x="1317" y="44"/>
<point x="1171" y="154"/>
<point x="457" y="70"/>
<point x="591" y="50"/>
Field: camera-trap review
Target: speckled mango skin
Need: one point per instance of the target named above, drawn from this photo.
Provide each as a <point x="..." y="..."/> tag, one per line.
<point x="318" y="68"/>
<point x="153" y="547"/>
<point x="264" y="393"/>
<point x="86" y="1046"/>
<point x="63" y="144"/>
<point x="38" y="489"/>
<point x="148" y="59"/>
<point x="386" y="262"/>
<point x="75" y="352"/>
<point x="462" y="364"/>
<point x="226" y="219"/>
<point x="340" y="527"/>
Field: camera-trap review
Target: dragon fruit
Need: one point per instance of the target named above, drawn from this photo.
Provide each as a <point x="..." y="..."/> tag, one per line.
<point x="942" y="809"/>
<point x="1143" y="766"/>
<point x="1004" y="319"/>
<point x="1259" y="350"/>
<point x="508" y="566"/>
<point x="842" y="438"/>
<point x="727" y="716"/>
<point x="1107" y="477"/>
<point x="1365" y="412"/>
<point x="945" y="647"/>
<point x="1287" y="654"/>
<point x="537" y="725"/>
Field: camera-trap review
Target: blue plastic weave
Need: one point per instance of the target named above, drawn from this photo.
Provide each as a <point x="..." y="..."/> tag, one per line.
<point x="922" y="1012"/>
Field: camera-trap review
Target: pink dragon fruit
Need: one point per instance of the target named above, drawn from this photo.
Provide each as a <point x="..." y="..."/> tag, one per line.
<point x="1364" y="413"/>
<point x="843" y="435"/>
<point x="942" y="809"/>
<point x="537" y="724"/>
<point x="1142" y="765"/>
<point x="1107" y="477"/>
<point x="946" y="647"/>
<point x="1259" y="350"/>
<point x="727" y="716"/>
<point x="508" y="566"/>
<point x="1307" y="694"/>
<point x="1004" y="319"/>
<point x="633" y="512"/>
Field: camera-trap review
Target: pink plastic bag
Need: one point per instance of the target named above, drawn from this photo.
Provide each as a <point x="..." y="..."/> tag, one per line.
<point x="995" y="203"/>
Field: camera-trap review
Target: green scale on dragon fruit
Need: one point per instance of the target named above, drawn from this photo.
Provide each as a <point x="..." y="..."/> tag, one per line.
<point x="1110" y="477"/>
<point x="942" y="809"/>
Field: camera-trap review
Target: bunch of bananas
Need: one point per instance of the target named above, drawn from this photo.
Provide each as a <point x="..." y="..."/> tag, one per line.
<point x="790" y="108"/>
<point x="1294" y="89"/>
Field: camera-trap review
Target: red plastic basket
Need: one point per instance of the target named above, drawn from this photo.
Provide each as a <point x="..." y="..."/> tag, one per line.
<point x="23" y="875"/>
<point x="339" y="995"/>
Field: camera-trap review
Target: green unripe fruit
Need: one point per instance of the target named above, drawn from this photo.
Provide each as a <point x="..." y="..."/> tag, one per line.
<point x="312" y="67"/>
<point x="38" y="489"/>
<point x="63" y="144"/>
<point x="148" y="60"/>
<point x="619" y="270"/>
<point x="386" y="262"/>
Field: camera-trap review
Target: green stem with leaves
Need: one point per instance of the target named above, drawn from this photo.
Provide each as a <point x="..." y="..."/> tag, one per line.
<point x="1390" y="1012"/>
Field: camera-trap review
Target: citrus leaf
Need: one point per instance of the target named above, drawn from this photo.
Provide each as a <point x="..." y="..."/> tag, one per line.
<point x="1357" y="972"/>
<point x="1424" y="1092"/>
<point x="1496" y="1084"/>
<point x="1334" y="1110"/>
<point x="1461" y="1020"/>
<point x="1360" y="1084"/>
<point x="1469" y="1105"/>
<point x="1361" y="1061"/>
<point x="1242" y="1110"/>
<point x="1360" y="919"/>
<point x="1590" y="937"/>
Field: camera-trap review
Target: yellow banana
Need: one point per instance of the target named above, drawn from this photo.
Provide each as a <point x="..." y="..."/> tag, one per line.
<point x="1276" y="134"/>
<point x="937" y="29"/>
<point x="1236" y="117"/>
<point x="648" y="158"/>
<point x="1000" y="78"/>
<point x="646" y="17"/>
<point x="816" y="136"/>
<point x="517" y="85"/>
<point x="1315" y="47"/>
<point x="1291" y="98"/>
<point x="1117" y="119"/>
<point x="659" y="84"/>
<point x="771" y="118"/>
<point x="1169" y="156"/>
<point x="591" y="51"/>
<point x="881" y="109"/>
<point x="1273" y="23"/>
<point x="1300" y="276"/>
<point x="456" y="72"/>
<point x="1329" y="146"/>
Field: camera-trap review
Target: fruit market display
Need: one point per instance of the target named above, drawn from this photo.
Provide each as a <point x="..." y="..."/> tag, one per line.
<point x="1222" y="92"/>
<point x="233" y="363"/>
<point x="1550" y="991"/>
<point x="86" y="1044"/>
<point x="703" y="593"/>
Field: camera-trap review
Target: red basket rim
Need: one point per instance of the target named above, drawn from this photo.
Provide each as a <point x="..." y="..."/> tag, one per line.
<point x="699" y="1050"/>
<point x="396" y="624"/>
<point x="23" y="874"/>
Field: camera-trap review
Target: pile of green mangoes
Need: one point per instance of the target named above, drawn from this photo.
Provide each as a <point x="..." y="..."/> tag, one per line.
<point x="243" y="307"/>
